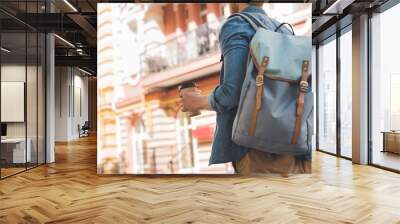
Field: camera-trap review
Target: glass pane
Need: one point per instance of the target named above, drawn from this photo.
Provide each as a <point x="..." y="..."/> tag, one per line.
<point x="314" y="89"/>
<point x="31" y="98"/>
<point x="346" y="94"/>
<point x="386" y="89"/>
<point x="327" y="97"/>
<point x="13" y="87"/>
<point x="41" y="99"/>
<point x="22" y="89"/>
<point x="31" y="88"/>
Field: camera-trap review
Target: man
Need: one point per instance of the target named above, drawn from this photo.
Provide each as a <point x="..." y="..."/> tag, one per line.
<point x="235" y="36"/>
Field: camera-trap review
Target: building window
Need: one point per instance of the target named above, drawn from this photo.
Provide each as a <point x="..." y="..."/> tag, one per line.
<point x="139" y="152"/>
<point x="184" y="140"/>
<point x="222" y="9"/>
<point x="186" y="15"/>
<point x="203" y="12"/>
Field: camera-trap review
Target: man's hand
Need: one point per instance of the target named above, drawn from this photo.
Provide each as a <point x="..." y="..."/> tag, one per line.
<point x="193" y="101"/>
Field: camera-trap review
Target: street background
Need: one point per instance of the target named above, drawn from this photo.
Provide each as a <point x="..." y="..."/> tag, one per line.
<point x="144" y="52"/>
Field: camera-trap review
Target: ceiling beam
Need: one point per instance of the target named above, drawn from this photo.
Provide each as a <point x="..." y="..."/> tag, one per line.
<point x="49" y="22"/>
<point x="83" y="23"/>
<point x="82" y="61"/>
<point x="337" y="7"/>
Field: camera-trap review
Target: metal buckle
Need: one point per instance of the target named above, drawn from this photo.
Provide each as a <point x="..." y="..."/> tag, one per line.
<point x="303" y="86"/>
<point x="259" y="80"/>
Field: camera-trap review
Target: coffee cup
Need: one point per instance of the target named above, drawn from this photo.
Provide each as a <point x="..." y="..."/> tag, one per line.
<point x="187" y="87"/>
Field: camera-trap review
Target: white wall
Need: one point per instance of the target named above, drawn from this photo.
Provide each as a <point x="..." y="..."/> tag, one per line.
<point x="71" y="94"/>
<point x="81" y="100"/>
<point x="62" y="82"/>
<point x="16" y="73"/>
<point x="12" y="73"/>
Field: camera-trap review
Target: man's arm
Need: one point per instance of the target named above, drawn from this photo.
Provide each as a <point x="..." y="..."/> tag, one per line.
<point x="226" y="96"/>
<point x="234" y="39"/>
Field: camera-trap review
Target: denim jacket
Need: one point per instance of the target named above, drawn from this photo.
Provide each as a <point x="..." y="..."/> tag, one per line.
<point x="234" y="39"/>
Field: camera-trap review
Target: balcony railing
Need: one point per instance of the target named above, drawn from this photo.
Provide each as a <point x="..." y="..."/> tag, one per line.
<point x="182" y="49"/>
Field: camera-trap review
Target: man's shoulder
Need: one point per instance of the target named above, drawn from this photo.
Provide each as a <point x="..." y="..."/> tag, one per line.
<point x="234" y="20"/>
<point x="235" y="25"/>
<point x="238" y="20"/>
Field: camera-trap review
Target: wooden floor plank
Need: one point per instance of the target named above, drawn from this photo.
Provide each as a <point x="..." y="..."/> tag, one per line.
<point x="70" y="191"/>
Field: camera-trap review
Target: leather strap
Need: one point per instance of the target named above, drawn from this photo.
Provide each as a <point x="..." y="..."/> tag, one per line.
<point x="259" y="93"/>
<point x="300" y="101"/>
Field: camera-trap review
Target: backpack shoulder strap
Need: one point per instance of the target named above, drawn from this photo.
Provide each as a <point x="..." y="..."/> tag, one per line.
<point x="254" y="23"/>
<point x="245" y="17"/>
<point x="260" y="24"/>
<point x="248" y="19"/>
<point x="254" y="19"/>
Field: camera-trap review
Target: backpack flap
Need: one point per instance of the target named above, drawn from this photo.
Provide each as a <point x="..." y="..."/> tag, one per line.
<point x="286" y="54"/>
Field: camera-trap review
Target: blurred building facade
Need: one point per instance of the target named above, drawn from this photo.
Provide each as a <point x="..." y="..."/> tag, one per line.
<point x="144" y="52"/>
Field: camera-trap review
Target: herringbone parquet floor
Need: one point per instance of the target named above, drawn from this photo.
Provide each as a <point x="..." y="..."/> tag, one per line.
<point x="70" y="191"/>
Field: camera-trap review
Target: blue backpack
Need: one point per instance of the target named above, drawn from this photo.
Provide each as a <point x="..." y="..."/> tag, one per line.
<point x="275" y="112"/>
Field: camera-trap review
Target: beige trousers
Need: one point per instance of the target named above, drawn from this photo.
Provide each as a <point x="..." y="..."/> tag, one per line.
<point x="256" y="161"/>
